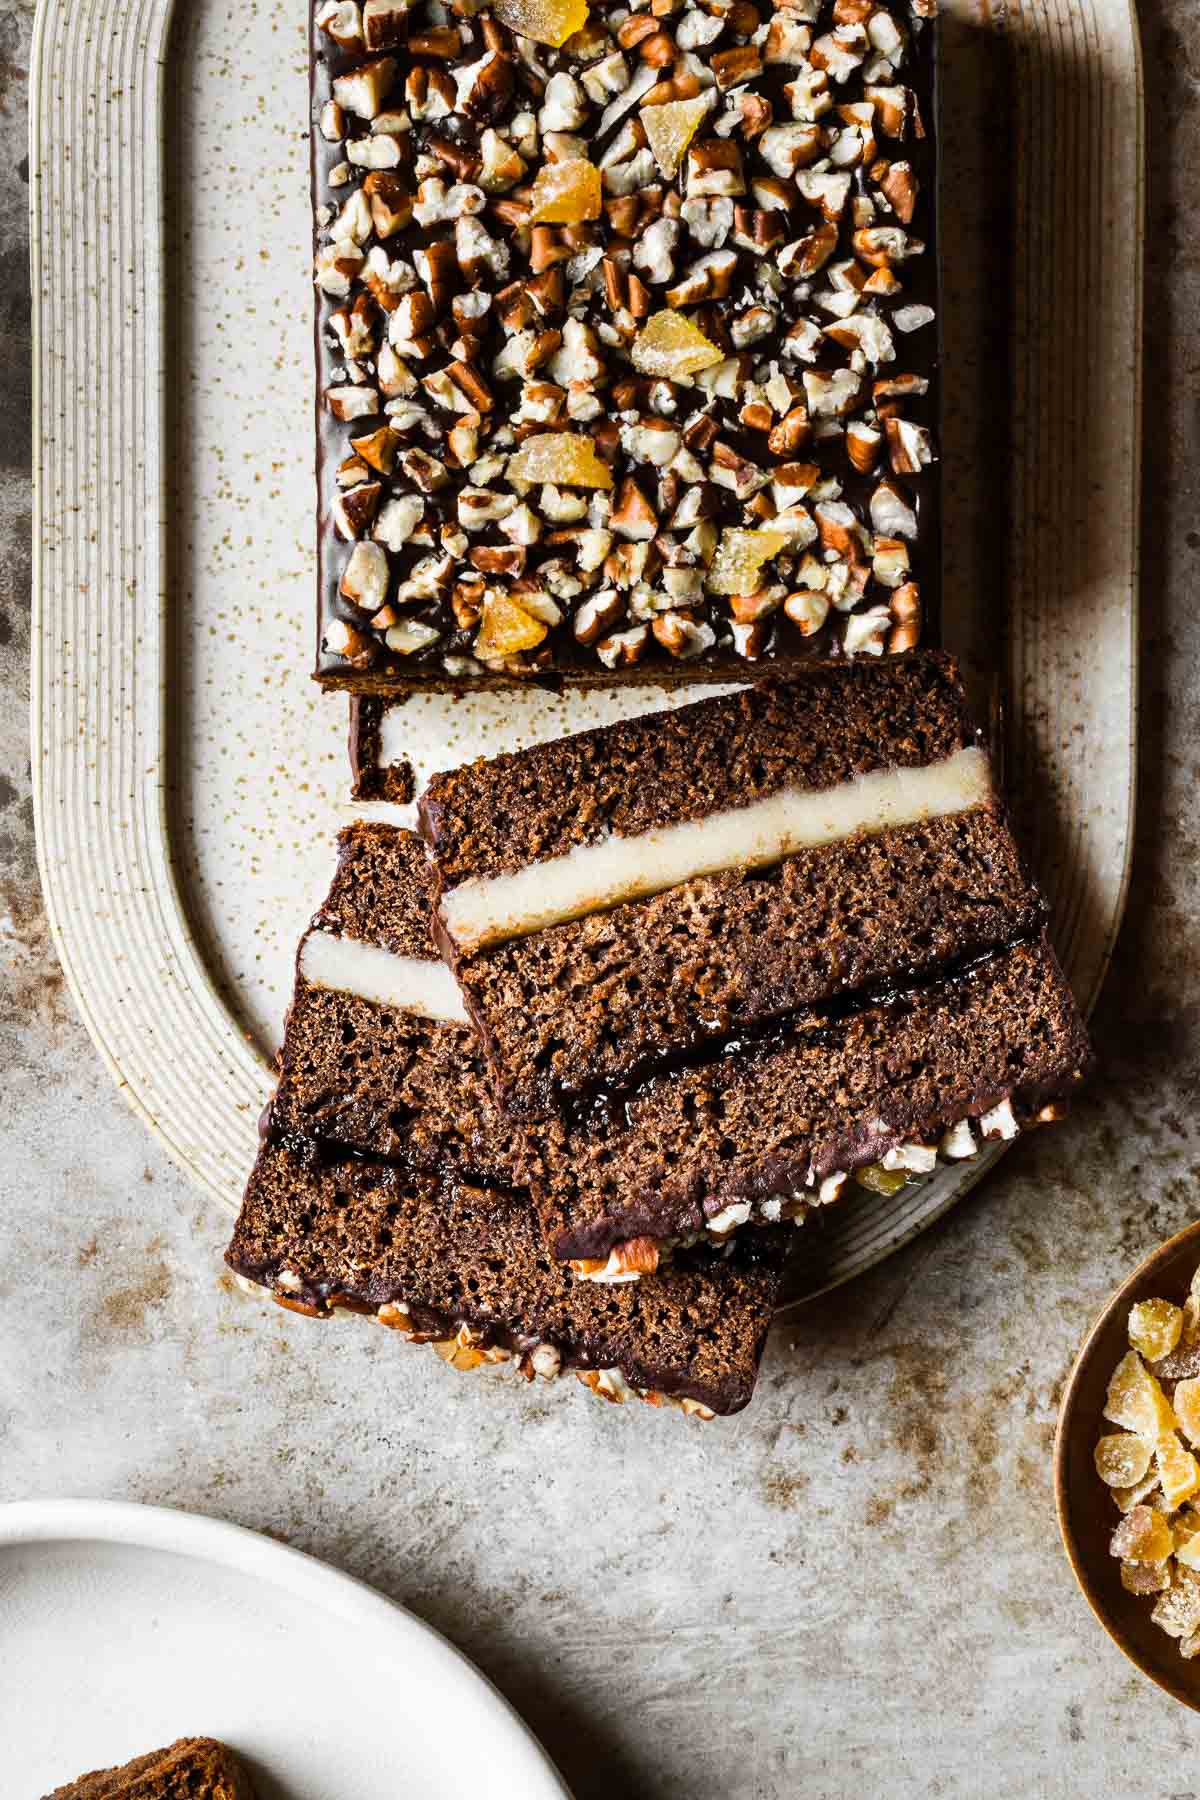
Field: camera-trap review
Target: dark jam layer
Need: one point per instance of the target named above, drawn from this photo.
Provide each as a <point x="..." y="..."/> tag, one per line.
<point x="603" y="1111"/>
<point x="550" y="597"/>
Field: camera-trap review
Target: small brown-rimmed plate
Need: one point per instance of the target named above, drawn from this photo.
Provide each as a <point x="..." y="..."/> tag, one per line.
<point x="1087" y="1515"/>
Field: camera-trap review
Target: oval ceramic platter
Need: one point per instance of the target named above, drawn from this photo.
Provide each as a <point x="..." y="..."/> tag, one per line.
<point x="188" y="776"/>
<point x="321" y="1685"/>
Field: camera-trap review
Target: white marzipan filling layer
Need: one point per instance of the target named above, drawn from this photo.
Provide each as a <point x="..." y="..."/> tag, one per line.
<point x="591" y="877"/>
<point x="408" y="983"/>
<point x="395" y="736"/>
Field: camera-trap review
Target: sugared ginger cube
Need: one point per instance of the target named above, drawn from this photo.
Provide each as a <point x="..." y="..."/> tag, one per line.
<point x="1136" y="1401"/>
<point x="566" y="193"/>
<point x="671" y="347"/>
<point x="1129" y="1497"/>
<point x="670" y="128"/>
<point x="1144" y="1578"/>
<point x="1122" y="1459"/>
<point x="1143" y="1536"/>
<point x="1185" y="1524"/>
<point x="1191" y="1310"/>
<point x="1186" y="1402"/>
<point x="872" y="1176"/>
<point x="1154" y="1328"/>
<point x="507" y="628"/>
<point x="1188" y="1552"/>
<point x="1178" y="1611"/>
<point x="735" y="569"/>
<point x="546" y="21"/>
<point x="1178" y="1470"/>
<point x="561" y="457"/>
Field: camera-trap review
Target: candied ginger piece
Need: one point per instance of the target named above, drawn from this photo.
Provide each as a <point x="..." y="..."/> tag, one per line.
<point x="1155" y="1327"/>
<point x="507" y="628"/>
<point x="546" y="21"/>
<point x="1186" y="1402"/>
<point x="561" y="457"/>
<point x="1178" y="1470"/>
<point x="1188" y="1552"/>
<point x="1136" y="1401"/>
<point x="1143" y="1536"/>
<point x="1178" y="1611"/>
<point x="670" y="346"/>
<point x="1144" y="1578"/>
<point x="1129" y="1497"/>
<point x="566" y="193"/>
<point x="1191" y="1313"/>
<point x="1185" y="1524"/>
<point x="670" y="128"/>
<point x="456" y="1352"/>
<point x="878" y="1180"/>
<point x="1122" y="1459"/>
<point x="735" y="569"/>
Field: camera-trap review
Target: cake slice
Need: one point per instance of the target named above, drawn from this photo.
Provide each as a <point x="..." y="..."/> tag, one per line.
<point x="621" y="897"/>
<point x="387" y="1179"/>
<point x="377" y="1054"/>
<point x="378" y="771"/>
<point x="770" y="1125"/>
<point x="189" y="1769"/>
<point x="721" y="956"/>
<point x="464" y="1267"/>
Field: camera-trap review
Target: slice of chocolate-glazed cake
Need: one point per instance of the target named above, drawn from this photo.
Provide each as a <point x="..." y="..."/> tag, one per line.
<point x="387" y="1184"/>
<point x="721" y="957"/>
<point x="627" y="340"/>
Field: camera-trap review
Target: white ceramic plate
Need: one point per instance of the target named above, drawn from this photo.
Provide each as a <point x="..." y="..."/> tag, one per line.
<point x="125" y="1627"/>
<point x="188" y="778"/>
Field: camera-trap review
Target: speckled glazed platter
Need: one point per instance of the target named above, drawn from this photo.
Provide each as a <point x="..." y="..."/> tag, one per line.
<point x="188" y="776"/>
<point x="321" y="1685"/>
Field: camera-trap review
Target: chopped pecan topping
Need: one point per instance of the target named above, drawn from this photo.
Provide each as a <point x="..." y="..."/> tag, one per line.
<point x="592" y="282"/>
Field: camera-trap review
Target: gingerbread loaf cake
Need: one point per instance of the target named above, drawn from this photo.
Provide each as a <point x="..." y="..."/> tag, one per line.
<point x="627" y="338"/>
<point x="190" y="1769"/>
<point x="387" y="1183"/>
<point x="668" y="905"/>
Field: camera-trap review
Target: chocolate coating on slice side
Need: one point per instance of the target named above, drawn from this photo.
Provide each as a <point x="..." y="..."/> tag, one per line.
<point x="370" y="778"/>
<point x="387" y="1083"/>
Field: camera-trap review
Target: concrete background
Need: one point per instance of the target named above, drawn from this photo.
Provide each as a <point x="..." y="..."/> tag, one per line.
<point x="857" y="1586"/>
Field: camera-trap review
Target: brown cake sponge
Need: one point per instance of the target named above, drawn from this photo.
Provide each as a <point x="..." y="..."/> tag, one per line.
<point x="381" y="890"/>
<point x="197" y="1768"/>
<point x="827" y="1091"/>
<point x="595" y="1001"/>
<point x="320" y="1231"/>
<point x="826" y="726"/>
<point x="370" y="777"/>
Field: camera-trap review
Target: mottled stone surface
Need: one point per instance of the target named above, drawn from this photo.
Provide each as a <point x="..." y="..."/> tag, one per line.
<point x="855" y="1587"/>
